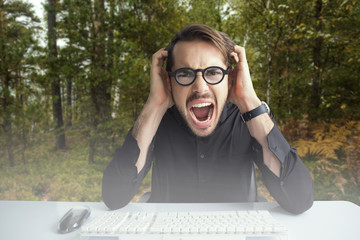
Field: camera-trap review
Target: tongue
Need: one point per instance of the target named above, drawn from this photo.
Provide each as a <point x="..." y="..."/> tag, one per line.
<point x="201" y="113"/>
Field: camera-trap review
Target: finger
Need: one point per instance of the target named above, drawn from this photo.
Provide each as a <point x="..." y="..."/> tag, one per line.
<point x="234" y="57"/>
<point x="159" y="57"/>
<point x="240" y="51"/>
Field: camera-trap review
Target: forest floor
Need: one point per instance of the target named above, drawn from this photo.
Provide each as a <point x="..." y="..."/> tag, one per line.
<point x="331" y="151"/>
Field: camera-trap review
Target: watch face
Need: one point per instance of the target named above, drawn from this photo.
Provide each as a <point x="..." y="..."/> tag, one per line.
<point x="267" y="107"/>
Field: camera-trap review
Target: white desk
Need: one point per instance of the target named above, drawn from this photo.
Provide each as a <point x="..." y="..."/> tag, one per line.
<point x="38" y="220"/>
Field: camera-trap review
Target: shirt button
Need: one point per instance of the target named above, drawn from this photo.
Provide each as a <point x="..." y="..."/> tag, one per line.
<point x="202" y="156"/>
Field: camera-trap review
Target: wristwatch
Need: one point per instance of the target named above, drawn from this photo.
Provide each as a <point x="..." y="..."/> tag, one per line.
<point x="263" y="108"/>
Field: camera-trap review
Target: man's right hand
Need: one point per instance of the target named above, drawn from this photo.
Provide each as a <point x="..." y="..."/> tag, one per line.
<point x="158" y="102"/>
<point x="160" y="90"/>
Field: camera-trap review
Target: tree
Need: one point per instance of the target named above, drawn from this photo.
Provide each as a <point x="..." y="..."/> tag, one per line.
<point x="88" y="65"/>
<point x="265" y="23"/>
<point x="72" y="28"/>
<point x="17" y="32"/>
<point x="207" y="12"/>
<point x="54" y="77"/>
<point x="316" y="91"/>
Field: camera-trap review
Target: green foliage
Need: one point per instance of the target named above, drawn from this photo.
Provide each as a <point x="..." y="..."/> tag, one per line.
<point x="283" y="35"/>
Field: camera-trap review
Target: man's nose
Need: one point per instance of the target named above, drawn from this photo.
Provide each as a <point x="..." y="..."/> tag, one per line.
<point x="200" y="85"/>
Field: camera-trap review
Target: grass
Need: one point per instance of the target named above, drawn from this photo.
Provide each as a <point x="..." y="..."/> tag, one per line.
<point x="52" y="175"/>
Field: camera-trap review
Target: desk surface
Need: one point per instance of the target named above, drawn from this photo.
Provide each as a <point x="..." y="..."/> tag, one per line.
<point x="38" y="220"/>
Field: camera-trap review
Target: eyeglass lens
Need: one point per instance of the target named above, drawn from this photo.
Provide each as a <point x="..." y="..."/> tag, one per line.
<point x="212" y="75"/>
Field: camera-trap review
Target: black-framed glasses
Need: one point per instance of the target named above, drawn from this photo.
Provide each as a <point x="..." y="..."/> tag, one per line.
<point x="186" y="76"/>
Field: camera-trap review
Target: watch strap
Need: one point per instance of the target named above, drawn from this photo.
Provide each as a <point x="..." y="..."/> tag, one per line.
<point x="263" y="108"/>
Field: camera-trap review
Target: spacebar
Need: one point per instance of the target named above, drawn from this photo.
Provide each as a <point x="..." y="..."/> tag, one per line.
<point x="204" y="237"/>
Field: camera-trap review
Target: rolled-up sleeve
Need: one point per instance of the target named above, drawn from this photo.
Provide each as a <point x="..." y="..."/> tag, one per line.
<point x="120" y="179"/>
<point x="294" y="189"/>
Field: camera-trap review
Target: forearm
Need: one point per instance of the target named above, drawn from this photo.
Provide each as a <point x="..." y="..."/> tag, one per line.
<point x="294" y="190"/>
<point x="242" y="93"/>
<point x="121" y="179"/>
<point x="284" y="174"/>
<point x="145" y="129"/>
<point x="132" y="161"/>
<point x="119" y="184"/>
<point x="259" y="128"/>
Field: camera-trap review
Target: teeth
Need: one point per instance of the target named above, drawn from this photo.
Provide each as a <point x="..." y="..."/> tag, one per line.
<point x="199" y="105"/>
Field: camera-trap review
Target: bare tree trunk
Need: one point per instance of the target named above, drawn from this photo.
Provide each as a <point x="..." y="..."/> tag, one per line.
<point x="69" y="101"/>
<point x="23" y="131"/>
<point x="288" y="84"/>
<point x="100" y="88"/>
<point x="5" y="86"/>
<point x="20" y="119"/>
<point x="269" y="57"/>
<point x="55" y="81"/>
<point x="316" y="89"/>
<point x="7" y="123"/>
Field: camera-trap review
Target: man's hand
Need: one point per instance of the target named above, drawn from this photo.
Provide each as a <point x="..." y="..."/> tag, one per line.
<point x="243" y="95"/>
<point x="241" y="91"/>
<point x="160" y="91"/>
<point x="158" y="102"/>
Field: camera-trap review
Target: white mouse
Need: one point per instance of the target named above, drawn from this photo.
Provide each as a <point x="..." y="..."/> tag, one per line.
<point x="73" y="219"/>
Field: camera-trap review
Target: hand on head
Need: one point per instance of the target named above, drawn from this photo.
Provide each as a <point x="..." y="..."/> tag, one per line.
<point x="160" y="90"/>
<point x="241" y="90"/>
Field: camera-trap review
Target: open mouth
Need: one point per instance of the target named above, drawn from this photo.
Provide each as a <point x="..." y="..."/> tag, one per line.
<point x="202" y="113"/>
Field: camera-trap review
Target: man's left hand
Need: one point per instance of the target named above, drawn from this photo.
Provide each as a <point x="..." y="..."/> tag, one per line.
<point x="241" y="90"/>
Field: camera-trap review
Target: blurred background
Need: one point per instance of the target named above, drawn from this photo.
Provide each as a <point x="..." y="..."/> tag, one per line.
<point x="74" y="75"/>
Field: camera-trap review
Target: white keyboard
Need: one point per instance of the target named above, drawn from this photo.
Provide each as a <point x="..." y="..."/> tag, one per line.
<point x="183" y="225"/>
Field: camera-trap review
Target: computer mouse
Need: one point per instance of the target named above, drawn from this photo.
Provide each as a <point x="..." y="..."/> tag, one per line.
<point x="73" y="219"/>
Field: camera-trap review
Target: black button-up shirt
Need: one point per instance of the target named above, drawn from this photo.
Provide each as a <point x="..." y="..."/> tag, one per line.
<point x="217" y="168"/>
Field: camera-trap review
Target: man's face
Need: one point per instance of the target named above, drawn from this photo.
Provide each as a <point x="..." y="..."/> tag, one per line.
<point x="200" y="104"/>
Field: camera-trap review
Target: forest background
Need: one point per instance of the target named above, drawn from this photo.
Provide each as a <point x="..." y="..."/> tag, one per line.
<point x="73" y="80"/>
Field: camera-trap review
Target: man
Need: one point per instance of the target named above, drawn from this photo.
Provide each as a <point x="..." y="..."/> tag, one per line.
<point x="202" y="128"/>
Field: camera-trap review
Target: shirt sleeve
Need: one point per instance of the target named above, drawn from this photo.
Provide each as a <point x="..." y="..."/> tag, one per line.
<point x="121" y="180"/>
<point x="294" y="189"/>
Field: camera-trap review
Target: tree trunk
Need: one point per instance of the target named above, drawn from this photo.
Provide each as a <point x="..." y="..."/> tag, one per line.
<point x="288" y="84"/>
<point x="100" y="86"/>
<point x="7" y="123"/>
<point x="22" y="125"/>
<point x="269" y="57"/>
<point x="20" y="118"/>
<point x="110" y="50"/>
<point x="55" y="81"/>
<point x="5" y="88"/>
<point x="316" y="89"/>
<point x="69" y="101"/>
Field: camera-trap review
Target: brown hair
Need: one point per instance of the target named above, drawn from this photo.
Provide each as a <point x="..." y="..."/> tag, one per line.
<point x="201" y="32"/>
